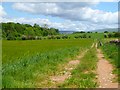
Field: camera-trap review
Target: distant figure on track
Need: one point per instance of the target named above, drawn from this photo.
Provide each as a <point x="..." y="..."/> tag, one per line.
<point x="99" y="43"/>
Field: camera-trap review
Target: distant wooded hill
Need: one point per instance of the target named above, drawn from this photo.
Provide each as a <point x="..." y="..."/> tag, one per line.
<point x="14" y="31"/>
<point x="106" y="29"/>
<point x="90" y="31"/>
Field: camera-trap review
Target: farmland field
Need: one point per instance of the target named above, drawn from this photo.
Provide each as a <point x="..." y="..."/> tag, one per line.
<point x="59" y="45"/>
<point x="16" y="49"/>
<point x="32" y="63"/>
<point x="27" y="63"/>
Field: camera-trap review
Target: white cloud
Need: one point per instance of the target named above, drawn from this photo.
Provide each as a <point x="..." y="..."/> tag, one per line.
<point x="67" y="25"/>
<point x="27" y="20"/>
<point x="60" y="0"/>
<point x="2" y="12"/>
<point x="77" y="16"/>
<point x="71" y="11"/>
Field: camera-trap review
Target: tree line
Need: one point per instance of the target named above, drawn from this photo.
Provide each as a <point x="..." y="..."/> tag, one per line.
<point x="17" y="31"/>
<point x="111" y="35"/>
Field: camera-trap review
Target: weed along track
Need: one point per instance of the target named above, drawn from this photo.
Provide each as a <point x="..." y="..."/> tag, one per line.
<point x="55" y="80"/>
<point x="67" y="70"/>
<point x="58" y="80"/>
<point x="83" y="76"/>
<point x="104" y="71"/>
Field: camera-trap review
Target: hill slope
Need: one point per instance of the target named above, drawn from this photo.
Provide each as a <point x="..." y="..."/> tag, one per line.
<point x="107" y="29"/>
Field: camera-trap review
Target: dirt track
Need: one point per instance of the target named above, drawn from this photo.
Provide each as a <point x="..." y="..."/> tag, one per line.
<point x="104" y="72"/>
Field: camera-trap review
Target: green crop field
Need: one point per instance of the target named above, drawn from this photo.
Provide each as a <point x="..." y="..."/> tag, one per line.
<point x="31" y="63"/>
<point x="27" y="63"/>
<point x="15" y="49"/>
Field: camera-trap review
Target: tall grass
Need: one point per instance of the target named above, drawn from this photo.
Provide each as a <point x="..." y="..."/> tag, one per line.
<point x="28" y="69"/>
<point x="13" y="50"/>
<point x="24" y="72"/>
<point x="84" y="75"/>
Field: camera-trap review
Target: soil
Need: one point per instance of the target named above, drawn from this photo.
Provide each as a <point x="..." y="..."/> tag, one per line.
<point x="104" y="71"/>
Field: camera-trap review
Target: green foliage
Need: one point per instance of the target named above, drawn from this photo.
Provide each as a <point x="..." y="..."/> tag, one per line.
<point x="86" y="35"/>
<point x="78" y="32"/>
<point x="105" y="31"/>
<point x="112" y="35"/>
<point x="117" y="34"/>
<point x="13" y="31"/>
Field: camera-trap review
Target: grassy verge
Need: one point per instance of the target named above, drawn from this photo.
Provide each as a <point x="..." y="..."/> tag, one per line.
<point x="111" y="53"/>
<point x="84" y="75"/>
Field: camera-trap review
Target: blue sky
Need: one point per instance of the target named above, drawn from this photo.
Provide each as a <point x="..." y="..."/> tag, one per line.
<point x="108" y="6"/>
<point x="12" y="13"/>
<point x="104" y="6"/>
<point x="64" y="18"/>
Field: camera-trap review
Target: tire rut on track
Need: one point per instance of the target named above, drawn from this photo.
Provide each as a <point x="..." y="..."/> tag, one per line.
<point x="56" y="80"/>
<point x="68" y="68"/>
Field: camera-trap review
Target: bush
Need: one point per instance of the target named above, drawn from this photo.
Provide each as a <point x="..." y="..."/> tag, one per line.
<point x="110" y="35"/>
<point x="58" y="37"/>
<point x="84" y="36"/>
<point x="24" y="37"/>
<point x="105" y="31"/>
<point x="89" y="36"/>
<point x="64" y="37"/>
<point x="105" y="36"/>
<point x="117" y="34"/>
<point x="11" y="37"/>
